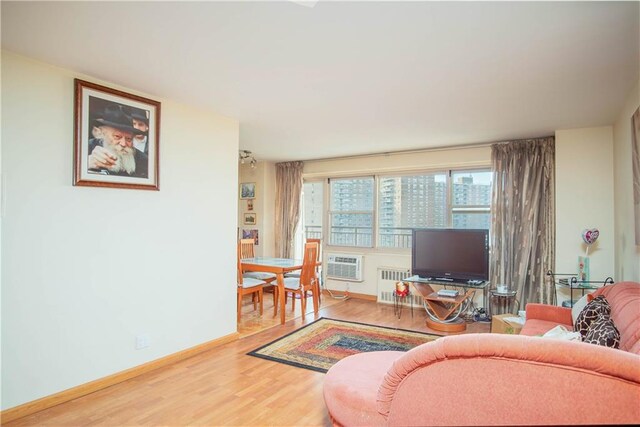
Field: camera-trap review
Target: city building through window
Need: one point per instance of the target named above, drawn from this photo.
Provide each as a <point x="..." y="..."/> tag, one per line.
<point x="444" y="199"/>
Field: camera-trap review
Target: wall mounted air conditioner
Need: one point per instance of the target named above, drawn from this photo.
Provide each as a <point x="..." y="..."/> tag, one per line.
<point x="344" y="267"/>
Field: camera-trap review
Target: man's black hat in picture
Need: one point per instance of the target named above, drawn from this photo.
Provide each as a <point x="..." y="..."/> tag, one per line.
<point x="115" y="117"/>
<point x="140" y="115"/>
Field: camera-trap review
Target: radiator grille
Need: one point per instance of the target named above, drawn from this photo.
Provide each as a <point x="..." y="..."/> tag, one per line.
<point x="387" y="278"/>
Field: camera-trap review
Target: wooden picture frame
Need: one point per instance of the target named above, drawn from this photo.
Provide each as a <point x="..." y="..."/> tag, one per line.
<point x="250" y="218"/>
<point x="247" y="190"/>
<point x="116" y="138"/>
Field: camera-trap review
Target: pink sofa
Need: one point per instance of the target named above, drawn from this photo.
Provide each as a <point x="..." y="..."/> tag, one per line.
<point x="493" y="379"/>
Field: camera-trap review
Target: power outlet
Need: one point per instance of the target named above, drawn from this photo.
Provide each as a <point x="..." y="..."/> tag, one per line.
<point x="142" y="341"/>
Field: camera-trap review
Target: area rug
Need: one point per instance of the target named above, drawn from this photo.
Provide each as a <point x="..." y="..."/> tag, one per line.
<point x="319" y="345"/>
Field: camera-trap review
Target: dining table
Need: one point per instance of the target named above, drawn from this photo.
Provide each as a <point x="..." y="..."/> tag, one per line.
<point x="279" y="267"/>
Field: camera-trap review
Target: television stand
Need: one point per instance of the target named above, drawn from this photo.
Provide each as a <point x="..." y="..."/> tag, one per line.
<point x="444" y="312"/>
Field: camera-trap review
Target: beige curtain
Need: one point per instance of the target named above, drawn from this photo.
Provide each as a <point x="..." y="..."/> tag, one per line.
<point x="288" y="191"/>
<point x="523" y="218"/>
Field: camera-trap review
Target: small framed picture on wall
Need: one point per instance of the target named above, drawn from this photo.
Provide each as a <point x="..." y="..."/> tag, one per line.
<point x="251" y="234"/>
<point x="250" y="218"/>
<point x="248" y="190"/>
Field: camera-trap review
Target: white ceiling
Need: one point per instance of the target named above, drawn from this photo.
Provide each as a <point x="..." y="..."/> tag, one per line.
<point x="351" y="78"/>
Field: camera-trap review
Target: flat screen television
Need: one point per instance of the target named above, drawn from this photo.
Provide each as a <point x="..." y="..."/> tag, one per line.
<point x="456" y="255"/>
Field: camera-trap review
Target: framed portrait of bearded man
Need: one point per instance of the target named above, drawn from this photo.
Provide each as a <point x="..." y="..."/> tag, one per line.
<point x="116" y="138"/>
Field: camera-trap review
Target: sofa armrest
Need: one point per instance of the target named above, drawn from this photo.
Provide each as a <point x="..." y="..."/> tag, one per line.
<point x="549" y="313"/>
<point x="494" y="379"/>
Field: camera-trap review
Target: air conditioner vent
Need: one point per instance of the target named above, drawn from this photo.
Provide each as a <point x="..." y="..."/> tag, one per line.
<point x="344" y="267"/>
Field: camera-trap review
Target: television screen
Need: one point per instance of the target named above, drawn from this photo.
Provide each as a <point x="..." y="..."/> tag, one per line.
<point x="455" y="254"/>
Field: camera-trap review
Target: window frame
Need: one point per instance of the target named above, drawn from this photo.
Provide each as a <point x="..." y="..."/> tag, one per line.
<point x="467" y="209"/>
<point x="451" y="209"/>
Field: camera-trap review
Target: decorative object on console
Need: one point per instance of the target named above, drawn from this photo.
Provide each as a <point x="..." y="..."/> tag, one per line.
<point x="589" y="236"/>
<point x="583" y="268"/>
<point x="402" y="289"/>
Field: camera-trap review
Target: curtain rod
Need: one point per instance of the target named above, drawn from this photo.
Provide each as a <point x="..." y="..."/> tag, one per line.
<point x="425" y="150"/>
<point x="400" y="152"/>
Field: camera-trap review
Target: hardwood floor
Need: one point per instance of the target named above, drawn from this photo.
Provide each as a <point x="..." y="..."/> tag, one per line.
<point x="224" y="386"/>
<point x="251" y="322"/>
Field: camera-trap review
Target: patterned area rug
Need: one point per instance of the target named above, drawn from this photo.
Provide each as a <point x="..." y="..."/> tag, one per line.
<point x="318" y="345"/>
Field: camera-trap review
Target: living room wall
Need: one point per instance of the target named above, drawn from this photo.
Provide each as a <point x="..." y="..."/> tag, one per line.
<point x="84" y="269"/>
<point x="584" y="199"/>
<point x="627" y="252"/>
<point x="264" y="176"/>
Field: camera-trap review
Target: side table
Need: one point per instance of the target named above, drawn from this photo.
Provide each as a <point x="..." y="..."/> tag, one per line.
<point x="501" y="302"/>
<point x="399" y="299"/>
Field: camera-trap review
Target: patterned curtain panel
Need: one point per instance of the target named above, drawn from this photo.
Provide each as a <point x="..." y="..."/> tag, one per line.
<point x="523" y="221"/>
<point x="288" y="191"/>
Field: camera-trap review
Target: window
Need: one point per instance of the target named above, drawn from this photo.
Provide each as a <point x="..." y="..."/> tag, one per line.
<point x="406" y="202"/>
<point x="351" y="212"/>
<point x="471" y="199"/>
<point x="446" y="199"/>
<point x="313" y="209"/>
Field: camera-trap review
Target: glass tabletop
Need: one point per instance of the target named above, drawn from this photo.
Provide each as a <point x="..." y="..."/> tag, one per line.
<point x="476" y="284"/>
<point x="273" y="262"/>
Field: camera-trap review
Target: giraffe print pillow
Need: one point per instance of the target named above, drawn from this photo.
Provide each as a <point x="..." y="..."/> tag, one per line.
<point x="599" y="305"/>
<point x="602" y="331"/>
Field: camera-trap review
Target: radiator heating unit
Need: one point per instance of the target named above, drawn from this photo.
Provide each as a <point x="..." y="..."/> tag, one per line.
<point x="387" y="279"/>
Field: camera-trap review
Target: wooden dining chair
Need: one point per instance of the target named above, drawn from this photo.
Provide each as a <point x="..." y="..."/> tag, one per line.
<point x="248" y="286"/>
<point x="307" y="282"/>
<point x="297" y="273"/>
<point x="247" y="250"/>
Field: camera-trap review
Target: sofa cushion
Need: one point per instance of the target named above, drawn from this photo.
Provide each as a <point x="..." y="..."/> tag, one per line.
<point x="533" y="327"/>
<point x="624" y="298"/>
<point x="602" y="331"/>
<point x="598" y="306"/>
<point x="579" y="306"/>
